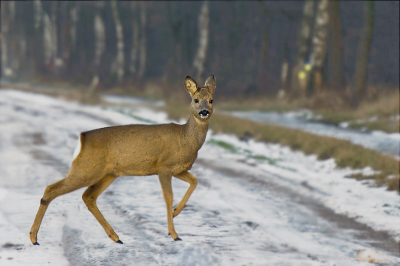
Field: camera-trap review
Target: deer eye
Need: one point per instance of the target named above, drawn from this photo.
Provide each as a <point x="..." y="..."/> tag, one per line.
<point x="196" y="101"/>
<point x="211" y="101"/>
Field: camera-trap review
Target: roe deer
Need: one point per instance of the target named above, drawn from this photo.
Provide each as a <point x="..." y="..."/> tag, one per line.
<point x="167" y="150"/>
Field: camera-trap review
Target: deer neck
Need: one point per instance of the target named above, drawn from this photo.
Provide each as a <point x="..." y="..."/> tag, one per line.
<point x="196" y="131"/>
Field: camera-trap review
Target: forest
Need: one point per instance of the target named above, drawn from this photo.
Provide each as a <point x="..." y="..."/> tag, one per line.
<point x="297" y="48"/>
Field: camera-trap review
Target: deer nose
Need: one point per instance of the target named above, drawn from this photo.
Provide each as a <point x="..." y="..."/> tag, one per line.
<point x="204" y="112"/>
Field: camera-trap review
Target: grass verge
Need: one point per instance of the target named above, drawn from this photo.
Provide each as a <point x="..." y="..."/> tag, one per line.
<point x="345" y="153"/>
<point x="375" y="112"/>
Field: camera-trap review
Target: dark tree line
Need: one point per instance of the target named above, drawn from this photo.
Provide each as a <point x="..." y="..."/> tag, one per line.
<point x="297" y="47"/>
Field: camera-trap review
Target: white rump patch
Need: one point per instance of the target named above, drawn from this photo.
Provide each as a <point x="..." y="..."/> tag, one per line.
<point x="78" y="148"/>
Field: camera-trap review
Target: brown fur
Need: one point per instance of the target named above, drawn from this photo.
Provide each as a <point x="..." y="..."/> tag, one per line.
<point x="136" y="150"/>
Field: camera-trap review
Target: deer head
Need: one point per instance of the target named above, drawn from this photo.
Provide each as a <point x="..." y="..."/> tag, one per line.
<point x="202" y="98"/>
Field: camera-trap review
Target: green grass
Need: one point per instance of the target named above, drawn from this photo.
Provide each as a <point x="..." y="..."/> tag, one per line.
<point x="383" y="124"/>
<point x="343" y="152"/>
<point x="231" y="148"/>
<point x="223" y="144"/>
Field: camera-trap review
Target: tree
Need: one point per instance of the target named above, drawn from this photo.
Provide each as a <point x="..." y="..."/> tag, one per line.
<point x="5" y="24"/>
<point x="335" y="51"/>
<point x="263" y="56"/>
<point x="119" y="60"/>
<point x="363" y="52"/>
<point x="201" y="55"/>
<point x="100" y="39"/>
<point x="299" y="76"/>
<point x="284" y="71"/>
<point x="318" y="49"/>
<point x="142" y="49"/>
<point x="38" y="40"/>
<point x="135" y="39"/>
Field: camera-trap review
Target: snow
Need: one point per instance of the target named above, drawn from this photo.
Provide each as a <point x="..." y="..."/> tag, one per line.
<point x="395" y="136"/>
<point x="344" y="195"/>
<point x="376" y="140"/>
<point x="251" y="212"/>
<point x="128" y="100"/>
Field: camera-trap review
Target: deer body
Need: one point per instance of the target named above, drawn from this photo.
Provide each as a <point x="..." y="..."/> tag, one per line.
<point x="165" y="150"/>
<point x="137" y="150"/>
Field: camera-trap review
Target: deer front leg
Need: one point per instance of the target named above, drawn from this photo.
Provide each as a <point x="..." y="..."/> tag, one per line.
<point x="165" y="180"/>
<point x="192" y="180"/>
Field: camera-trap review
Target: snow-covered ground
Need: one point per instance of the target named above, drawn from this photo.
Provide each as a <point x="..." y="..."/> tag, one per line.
<point x="256" y="203"/>
<point x="376" y="140"/>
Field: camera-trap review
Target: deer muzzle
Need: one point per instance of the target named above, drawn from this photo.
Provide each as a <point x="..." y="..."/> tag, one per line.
<point x="204" y="113"/>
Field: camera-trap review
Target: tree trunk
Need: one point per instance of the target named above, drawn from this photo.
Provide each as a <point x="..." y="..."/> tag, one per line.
<point x="262" y="68"/>
<point x="54" y="26"/>
<point x="100" y="39"/>
<point x="363" y="51"/>
<point x="335" y="53"/>
<point x="27" y="24"/>
<point x="200" y="58"/>
<point x="12" y="44"/>
<point x="38" y="9"/>
<point x="299" y="74"/>
<point x="57" y="61"/>
<point x="38" y="38"/>
<point x="263" y="54"/>
<point x="64" y="47"/>
<point x="135" y="39"/>
<point x="142" y="49"/>
<point x="318" y="50"/>
<point x="119" y="61"/>
<point x="49" y="42"/>
<point x="72" y="56"/>
<point x="74" y="18"/>
<point x="21" y="40"/>
<point x="176" y="22"/>
<point x="284" y="72"/>
<point x="5" y="23"/>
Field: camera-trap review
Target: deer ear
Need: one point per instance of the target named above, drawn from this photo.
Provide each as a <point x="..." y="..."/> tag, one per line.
<point x="211" y="83"/>
<point x="190" y="85"/>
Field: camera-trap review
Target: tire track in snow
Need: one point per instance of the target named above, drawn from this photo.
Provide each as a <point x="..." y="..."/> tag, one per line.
<point x="378" y="239"/>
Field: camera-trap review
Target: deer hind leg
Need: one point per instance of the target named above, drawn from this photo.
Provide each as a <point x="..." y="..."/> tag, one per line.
<point x="192" y="180"/>
<point x="165" y="180"/>
<point x="59" y="188"/>
<point x="90" y="197"/>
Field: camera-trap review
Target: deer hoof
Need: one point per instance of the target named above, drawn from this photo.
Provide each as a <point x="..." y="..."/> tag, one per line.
<point x="119" y="242"/>
<point x="36" y="244"/>
<point x="178" y="239"/>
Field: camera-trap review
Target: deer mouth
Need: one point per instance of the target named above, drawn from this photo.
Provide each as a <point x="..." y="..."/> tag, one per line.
<point x="204" y="113"/>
